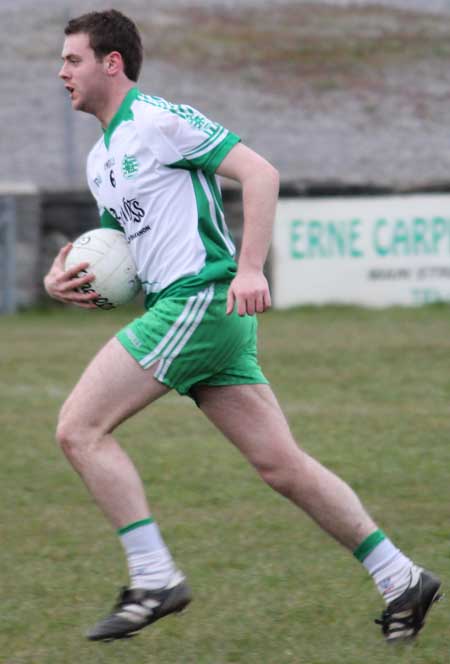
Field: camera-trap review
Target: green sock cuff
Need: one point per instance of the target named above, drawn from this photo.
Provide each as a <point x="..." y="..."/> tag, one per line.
<point x="368" y="545"/>
<point x="133" y="526"/>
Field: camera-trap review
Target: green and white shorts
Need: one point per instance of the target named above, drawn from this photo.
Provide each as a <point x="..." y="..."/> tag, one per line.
<point x="192" y="341"/>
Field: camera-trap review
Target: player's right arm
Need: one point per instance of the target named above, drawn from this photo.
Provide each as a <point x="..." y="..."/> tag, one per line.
<point x="62" y="284"/>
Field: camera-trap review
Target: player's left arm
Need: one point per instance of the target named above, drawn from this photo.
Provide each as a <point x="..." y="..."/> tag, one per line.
<point x="249" y="290"/>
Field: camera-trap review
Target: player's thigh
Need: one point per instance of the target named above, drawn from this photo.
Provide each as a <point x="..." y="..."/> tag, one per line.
<point x="112" y="388"/>
<point x="251" y="418"/>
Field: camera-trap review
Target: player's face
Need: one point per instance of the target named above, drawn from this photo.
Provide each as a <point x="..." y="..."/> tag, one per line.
<point x="84" y="76"/>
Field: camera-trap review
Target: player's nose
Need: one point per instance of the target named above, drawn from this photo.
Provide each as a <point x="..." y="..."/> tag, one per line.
<point x="63" y="71"/>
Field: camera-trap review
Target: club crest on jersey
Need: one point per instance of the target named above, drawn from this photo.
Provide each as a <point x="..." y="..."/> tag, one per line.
<point x="130" y="166"/>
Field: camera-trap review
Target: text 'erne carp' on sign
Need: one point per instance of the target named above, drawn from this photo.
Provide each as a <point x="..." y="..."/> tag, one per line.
<point x="372" y="251"/>
<point x="312" y="238"/>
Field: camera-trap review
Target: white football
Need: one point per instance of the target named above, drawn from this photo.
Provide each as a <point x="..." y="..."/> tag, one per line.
<point x="106" y="250"/>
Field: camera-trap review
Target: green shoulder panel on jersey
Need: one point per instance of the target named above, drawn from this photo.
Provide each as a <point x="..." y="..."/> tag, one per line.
<point x="124" y="114"/>
<point x="215" y="140"/>
<point x="209" y="161"/>
<point x="186" y="112"/>
<point x="108" y="221"/>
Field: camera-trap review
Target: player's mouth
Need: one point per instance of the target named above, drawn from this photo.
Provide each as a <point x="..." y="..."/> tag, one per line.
<point x="70" y="90"/>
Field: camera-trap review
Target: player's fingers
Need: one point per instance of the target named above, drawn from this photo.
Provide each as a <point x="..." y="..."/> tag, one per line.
<point x="230" y="301"/>
<point x="66" y="249"/>
<point x="83" y="305"/>
<point x="86" y="305"/>
<point x="250" y="306"/>
<point x="62" y="255"/>
<point x="241" y="305"/>
<point x="267" y="301"/>
<point x="76" y="269"/>
<point x="79" y="296"/>
<point x="82" y="280"/>
<point x="67" y="285"/>
<point x="259" y="303"/>
<point x="80" y="299"/>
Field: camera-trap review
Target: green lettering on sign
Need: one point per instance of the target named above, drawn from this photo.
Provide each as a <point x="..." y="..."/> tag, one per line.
<point x="324" y="239"/>
<point x="355" y="234"/>
<point x="315" y="234"/>
<point x="439" y="229"/>
<point x="420" y="243"/>
<point x="295" y="238"/>
<point x="336" y="238"/>
<point x="380" y="237"/>
<point x="400" y="239"/>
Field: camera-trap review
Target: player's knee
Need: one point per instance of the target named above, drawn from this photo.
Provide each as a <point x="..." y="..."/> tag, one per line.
<point x="279" y="477"/>
<point x="66" y="436"/>
<point x="73" y="439"/>
<point x="285" y="472"/>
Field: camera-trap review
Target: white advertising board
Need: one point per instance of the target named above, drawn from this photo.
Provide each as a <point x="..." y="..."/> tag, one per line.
<point x="372" y="251"/>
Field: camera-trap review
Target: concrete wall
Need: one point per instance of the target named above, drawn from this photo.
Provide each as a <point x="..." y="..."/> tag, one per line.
<point x="28" y="241"/>
<point x="65" y="215"/>
<point x="47" y="220"/>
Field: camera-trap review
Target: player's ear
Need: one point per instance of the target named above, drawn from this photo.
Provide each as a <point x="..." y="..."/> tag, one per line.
<point x="113" y="63"/>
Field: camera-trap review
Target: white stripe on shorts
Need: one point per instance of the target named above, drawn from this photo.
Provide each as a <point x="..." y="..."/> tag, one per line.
<point x="148" y="359"/>
<point x="178" y="329"/>
<point x="172" y="351"/>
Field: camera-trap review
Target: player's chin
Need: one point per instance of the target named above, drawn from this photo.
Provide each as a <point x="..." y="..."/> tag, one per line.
<point x="77" y="103"/>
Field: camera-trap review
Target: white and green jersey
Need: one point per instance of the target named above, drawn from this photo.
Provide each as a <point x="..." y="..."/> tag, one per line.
<point x="153" y="176"/>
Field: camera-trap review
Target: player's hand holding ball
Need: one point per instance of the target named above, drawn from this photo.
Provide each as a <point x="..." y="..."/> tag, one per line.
<point x="63" y="285"/>
<point x="106" y="252"/>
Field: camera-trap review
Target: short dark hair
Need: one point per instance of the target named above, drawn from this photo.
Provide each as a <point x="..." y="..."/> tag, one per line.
<point x="111" y="31"/>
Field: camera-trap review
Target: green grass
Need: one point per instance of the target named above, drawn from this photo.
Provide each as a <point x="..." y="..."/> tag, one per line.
<point x="366" y="392"/>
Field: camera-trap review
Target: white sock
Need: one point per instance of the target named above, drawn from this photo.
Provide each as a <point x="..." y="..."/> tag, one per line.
<point x="390" y="570"/>
<point x="150" y="564"/>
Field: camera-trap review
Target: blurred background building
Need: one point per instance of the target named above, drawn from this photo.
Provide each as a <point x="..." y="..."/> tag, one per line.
<point x="340" y="96"/>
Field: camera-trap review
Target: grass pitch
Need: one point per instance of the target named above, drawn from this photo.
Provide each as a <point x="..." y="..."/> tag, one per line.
<point x="366" y="392"/>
